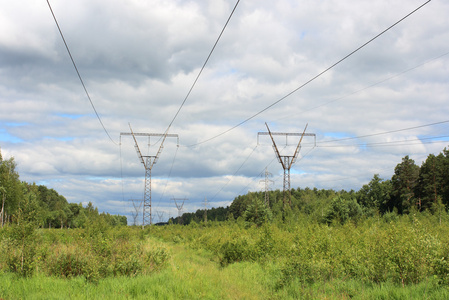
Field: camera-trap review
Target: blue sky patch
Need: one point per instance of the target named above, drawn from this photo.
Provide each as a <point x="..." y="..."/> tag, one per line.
<point x="62" y="138"/>
<point x="337" y="135"/>
<point x="13" y="124"/>
<point x="6" y="137"/>
<point x="69" y="116"/>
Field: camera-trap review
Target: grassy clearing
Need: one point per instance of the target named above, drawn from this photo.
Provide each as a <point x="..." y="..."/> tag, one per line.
<point x="190" y="274"/>
<point x="194" y="274"/>
<point x="353" y="289"/>
<point x="374" y="259"/>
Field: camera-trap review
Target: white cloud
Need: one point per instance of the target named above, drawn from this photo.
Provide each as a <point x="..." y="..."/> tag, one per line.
<point x="139" y="60"/>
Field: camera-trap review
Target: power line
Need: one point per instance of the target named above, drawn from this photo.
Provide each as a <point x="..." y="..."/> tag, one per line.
<point x="235" y="173"/>
<point x="312" y="79"/>
<point x="369" y="86"/>
<point x="198" y="76"/>
<point x="204" y="65"/>
<point x="77" y="72"/>
<point x="392" y="143"/>
<point x="382" y="133"/>
<point x="121" y="168"/>
<point x="169" y="174"/>
<point x="260" y="173"/>
<point x="428" y="140"/>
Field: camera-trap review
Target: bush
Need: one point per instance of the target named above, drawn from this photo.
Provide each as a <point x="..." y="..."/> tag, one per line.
<point x="67" y="262"/>
<point x="236" y="250"/>
<point x="157" y="257"/>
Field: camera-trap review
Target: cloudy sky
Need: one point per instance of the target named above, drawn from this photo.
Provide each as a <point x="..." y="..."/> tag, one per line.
<point x="139" y="59"/>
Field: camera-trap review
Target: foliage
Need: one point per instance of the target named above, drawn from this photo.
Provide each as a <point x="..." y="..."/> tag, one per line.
<point x="375" y="195"/>
<point x="50" y="208"/>
<point x="404" y="181"/>
<point x="92" y="254"/>
<point x="392" y="233"/>
<point x="257" y="213"/>
<point x="342" y="209"/>
<point x="406" y="251"/>
<point x="11" y="191"/>
<point x="21" y="241"/>
<point x="213" y="214"/>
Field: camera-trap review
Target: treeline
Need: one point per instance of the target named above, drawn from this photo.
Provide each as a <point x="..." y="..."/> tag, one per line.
<point x="412" y="188"/>
<point x="212" y="214"/>
<point x="50" y="209"/>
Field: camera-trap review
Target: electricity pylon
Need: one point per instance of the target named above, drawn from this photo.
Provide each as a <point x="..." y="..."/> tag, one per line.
<point x="148" y="162"/>
<point x="205" y="210"/>
<point x="267" y="182"/>
<point x="287" y="160"/>
<point x="135" y="214"/>
<point x="179" y="206"/>
<point x="160" y="215"/>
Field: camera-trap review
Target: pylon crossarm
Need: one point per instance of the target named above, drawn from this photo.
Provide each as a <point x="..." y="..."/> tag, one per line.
<point x="275" y="147"/>
<point x="297" y="149"/>
<point x="148" y="162"/>
<point x="160" y="147"/>
<point x="139" y="154"/>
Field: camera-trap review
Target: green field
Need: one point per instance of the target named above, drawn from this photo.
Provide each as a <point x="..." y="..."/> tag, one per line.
<point x="371" y="259"/>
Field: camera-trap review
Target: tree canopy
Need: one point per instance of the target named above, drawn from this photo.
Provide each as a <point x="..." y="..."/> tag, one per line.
<point x="50" y="209"/>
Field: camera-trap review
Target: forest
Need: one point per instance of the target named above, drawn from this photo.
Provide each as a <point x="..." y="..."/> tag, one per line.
<point x="412" y="188"/>
<point x="390" y="239"/>
<point x="51" y="209"/>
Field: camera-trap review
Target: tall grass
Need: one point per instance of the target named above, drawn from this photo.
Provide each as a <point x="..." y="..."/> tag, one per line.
<point x="377" y="258"/>
<point x="84" y="253"/>
<point x="405" y="251"/>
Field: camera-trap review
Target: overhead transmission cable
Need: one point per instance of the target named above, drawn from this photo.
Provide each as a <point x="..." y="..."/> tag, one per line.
<point x="121" y="169"/>
<point x="204" y="65"/>
<point x="418" y="141"/>
<point x="234" y="173"/>
<point x="367" y="87"/>
<point x="196" y="79"/>
<point x="260" y="173"/>
<point x="312" y="79"/>
<point x="382" y="133"/>
<point x="169" y="174"/>
<point x="78" y="73"/>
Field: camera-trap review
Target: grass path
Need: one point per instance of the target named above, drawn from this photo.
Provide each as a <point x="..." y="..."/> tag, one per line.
<point x="193" y="274"/>
<point x="190" y="274"/>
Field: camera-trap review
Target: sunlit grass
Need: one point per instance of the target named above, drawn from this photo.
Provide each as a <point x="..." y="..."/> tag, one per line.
<point x="230" y="261"/>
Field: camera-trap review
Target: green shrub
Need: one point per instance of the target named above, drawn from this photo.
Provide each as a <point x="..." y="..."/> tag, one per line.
<point x="129" y="266"/>
<point x="236" y="250"/>
<point x="157" y="257"/>
<point x="67" y="262"/>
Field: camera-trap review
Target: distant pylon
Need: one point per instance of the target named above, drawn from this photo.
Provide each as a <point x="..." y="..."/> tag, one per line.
<point x="287" y="160"/>
<point x="267" y="182"/>
<point x="135" y="213"/>
<point x="205" y="210"/>
<point x="179" y="206"/>
<point x="148" y="162"/>
<point x="160" y="215"/>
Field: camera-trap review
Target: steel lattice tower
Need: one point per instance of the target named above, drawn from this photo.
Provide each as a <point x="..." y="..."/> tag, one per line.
<point x="286" y="160"/>
<point x="179" y="206"/>
<point x="267" y="182"/>
<point x="148" y="162"/>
